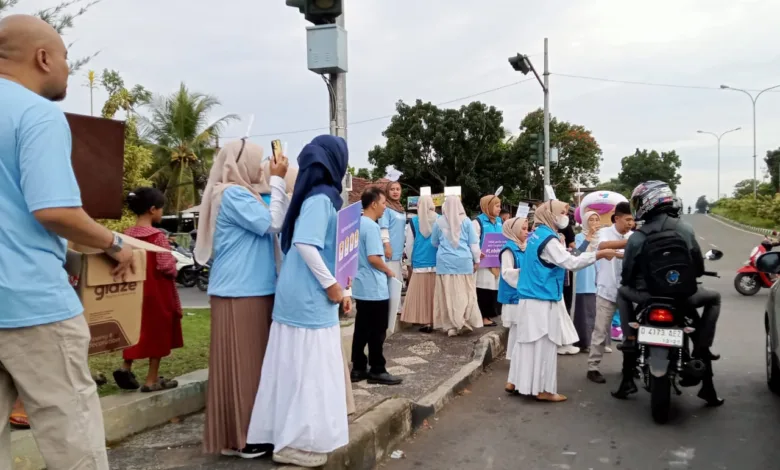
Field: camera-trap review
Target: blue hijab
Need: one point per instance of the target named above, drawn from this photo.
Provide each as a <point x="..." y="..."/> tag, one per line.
<point x="321" y="167"/>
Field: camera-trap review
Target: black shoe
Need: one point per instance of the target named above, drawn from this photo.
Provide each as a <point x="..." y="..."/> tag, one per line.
<point x="384" y="379"/>
<point x="595" y="376"/>
<point x="126" y="380"/>
<point x="627" y="387"/>
<point x="358" y="375"/>
<point x="705" y="355"/>
<point x="688" y="381"/>
<point x="711" y="397"/>
<point x="426" y="329"/>
<point x="251" y="451"/>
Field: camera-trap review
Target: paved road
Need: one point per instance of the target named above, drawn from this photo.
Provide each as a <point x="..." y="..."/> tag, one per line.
<point x="192" y="297"/>
<point x="485" y="429"/>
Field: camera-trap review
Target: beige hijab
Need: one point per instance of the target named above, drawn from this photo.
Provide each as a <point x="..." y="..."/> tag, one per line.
<point x="227" y="172"/>
<point x="453" y="216"/>
<point x="486" y="203"/>
<point x="586" y="228"/>
<point x="426" y="215"/>
<point x="513" y="230"/>
<point x="289" y="178"/>
<point x="546" y="213"/>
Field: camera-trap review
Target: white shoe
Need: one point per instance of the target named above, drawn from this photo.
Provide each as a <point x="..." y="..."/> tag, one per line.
<point x="607" y="349"/>
<point x="301" y="458"/>
<point x="568" y="350"/>
<point x="452" y="332"/>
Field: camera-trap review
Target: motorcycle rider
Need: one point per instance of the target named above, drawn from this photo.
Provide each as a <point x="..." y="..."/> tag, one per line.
<point x="655" y="204"/>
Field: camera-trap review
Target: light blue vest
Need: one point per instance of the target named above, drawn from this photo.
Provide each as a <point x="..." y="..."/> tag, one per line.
<point x="507" y="294"/>
<point x="540" y="280"/>
<point x="486" y="226"/>
<point x="423" y="252"/>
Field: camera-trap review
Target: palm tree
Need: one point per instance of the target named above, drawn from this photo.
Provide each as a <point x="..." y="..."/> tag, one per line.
<point x="183" y="144"/>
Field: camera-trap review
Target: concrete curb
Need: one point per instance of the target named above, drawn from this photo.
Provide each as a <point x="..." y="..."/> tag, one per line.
<point x="734" y="223"/>
<point x="377" y="433"/>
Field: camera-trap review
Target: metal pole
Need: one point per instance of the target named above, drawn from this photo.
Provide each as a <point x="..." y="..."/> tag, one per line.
<point x="755" y="152"/>
<point x="338" y="126"/>
<point x="546" y="119"/>
<point x="717" y="196"/>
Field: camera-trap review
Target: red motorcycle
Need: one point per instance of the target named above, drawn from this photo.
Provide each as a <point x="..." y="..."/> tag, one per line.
<point x="750" y="280"/>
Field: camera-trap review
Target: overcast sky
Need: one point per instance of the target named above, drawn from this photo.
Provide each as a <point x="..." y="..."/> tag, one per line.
<point x="251" y="54"/>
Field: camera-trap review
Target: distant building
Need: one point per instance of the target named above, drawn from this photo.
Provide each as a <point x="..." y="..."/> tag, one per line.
<point x="361" y="184"/>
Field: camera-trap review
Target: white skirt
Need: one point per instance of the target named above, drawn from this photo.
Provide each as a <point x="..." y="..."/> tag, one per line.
<point x="397" y="268"/>
<point x="533" y="367"/>
<point x="301" y="402"/>
<point x="510" y="344"/>
<point x="568" y="331"/>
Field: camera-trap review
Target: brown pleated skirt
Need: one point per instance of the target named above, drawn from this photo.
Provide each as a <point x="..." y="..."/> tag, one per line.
<point x="418" y="305"/>
<point x="239" y="336"/>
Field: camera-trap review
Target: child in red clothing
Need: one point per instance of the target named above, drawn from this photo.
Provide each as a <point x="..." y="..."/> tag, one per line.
<point x="161" y="314"/>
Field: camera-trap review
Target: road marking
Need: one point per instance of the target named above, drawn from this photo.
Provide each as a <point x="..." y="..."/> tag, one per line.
<point x="703" y="239"/>
<point x="713" y="245"/>
<point x="733" y="227"/>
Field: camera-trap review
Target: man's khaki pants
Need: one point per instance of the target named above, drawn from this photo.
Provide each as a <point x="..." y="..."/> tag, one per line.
<point x="605" y="310"/>
<point x="47" y="367"/>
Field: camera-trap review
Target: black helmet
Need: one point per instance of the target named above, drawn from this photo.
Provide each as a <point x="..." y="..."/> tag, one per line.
<point x="650" y="198"/>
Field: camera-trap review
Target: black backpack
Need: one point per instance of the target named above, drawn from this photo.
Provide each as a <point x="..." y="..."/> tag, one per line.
<point x="667" y="264"/>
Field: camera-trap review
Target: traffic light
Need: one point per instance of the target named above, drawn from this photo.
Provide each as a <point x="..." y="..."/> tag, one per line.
<point x="537" y="145"/>
<point x="318" y="11"/>
<point x="519" y="62"/>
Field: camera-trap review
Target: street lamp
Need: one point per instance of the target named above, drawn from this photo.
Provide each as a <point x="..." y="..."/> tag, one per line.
<point x="753" y="99"/>
<point x="718" y="136"/>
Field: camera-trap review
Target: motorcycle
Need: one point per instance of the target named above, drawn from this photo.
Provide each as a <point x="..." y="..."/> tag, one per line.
<point x="749" y="279"/>
<point x="203" y="277"/>
<point x="185" y="267"/>
<point x="664" y="328"/>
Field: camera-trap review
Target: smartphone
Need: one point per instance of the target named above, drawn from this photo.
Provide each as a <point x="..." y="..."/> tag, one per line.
<point x="276" y="148"/>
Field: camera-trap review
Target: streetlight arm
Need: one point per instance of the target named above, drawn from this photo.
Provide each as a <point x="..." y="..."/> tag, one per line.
<point x="764" y="91"/>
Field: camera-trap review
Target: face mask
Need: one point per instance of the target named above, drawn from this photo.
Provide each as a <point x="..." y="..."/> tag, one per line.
<point x="562" y="221"/>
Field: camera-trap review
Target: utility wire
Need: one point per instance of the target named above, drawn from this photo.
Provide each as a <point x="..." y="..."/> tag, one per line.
<point x="665" y="85"/>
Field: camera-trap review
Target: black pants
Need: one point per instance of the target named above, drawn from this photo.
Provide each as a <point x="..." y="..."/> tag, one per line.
<point x="709" y="299"/>
<point x="371" y="330"/>
<point x="487" y="300"/>
<point x="568" y="291"/>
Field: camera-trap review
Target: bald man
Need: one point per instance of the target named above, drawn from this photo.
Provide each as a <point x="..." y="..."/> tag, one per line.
<point x="44" y="338"/>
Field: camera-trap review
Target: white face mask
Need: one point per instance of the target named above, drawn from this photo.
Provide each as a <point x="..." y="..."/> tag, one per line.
<point x="562" y="221"/>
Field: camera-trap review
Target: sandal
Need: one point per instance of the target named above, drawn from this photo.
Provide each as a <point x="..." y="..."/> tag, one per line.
<point x="161" y="384"/>
<point x="491" y="323"/>
<point x="19" y="420"/>
<point x="100" y="380"/>
<point x="551" y="397"/>
<point x="126" y="380"/>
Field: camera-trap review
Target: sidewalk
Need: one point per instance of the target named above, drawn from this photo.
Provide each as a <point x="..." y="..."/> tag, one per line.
<point x="435" y="369"/>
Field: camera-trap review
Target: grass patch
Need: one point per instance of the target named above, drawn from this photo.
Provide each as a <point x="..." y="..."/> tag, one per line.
<point x="196" y="326"/>
<point x="744" y="218"/>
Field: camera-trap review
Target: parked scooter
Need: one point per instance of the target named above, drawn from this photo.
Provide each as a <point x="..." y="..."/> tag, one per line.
<point x="185" y="266"/>
<point x="203" y="277"/>
<point x="749" y="279"/>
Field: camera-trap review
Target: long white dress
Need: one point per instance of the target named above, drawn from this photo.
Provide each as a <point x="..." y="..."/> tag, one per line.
<point x="509" y="312"/>
<point x="534" y="356"/>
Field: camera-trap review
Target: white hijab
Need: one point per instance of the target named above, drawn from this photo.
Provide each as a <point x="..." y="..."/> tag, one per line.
<point x="426" y="215"/>
<point x="453" y="216"/>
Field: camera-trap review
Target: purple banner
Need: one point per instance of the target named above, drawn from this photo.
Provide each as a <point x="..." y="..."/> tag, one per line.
<point x="491" y="247"/>
<point x="347" y="241"/>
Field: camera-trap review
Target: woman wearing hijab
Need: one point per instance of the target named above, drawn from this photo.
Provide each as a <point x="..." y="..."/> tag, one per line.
<point x="585" y="299"/>
<point x="301" y="406"/>
<point x="516" y="232"/>
<point x="455" y="307"/>
<point x="418" y="306"/>
<point x="237" y="229"/>
<point x="487" y="278"/>
<point x="540" y="309"/>
<point x="392" y="226"/>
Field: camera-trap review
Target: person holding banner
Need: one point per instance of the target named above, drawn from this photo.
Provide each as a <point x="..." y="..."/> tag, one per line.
<point x="516" y="232"/>
<point x="392" y="223"/>
<point x="455" y="308"/>
<point x="533" y="367"/>
<point x="301" y="405"/>
<point x="418" y="306"/>
<point x="237" y="229"/>
<point x="487" y="278"/>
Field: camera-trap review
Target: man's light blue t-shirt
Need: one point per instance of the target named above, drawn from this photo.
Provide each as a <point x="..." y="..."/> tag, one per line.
<point x="244" y="263"/>
<point x="454" y="260"/>
<point x="395" y="223"/>
<point x="300" y="299"/>
<point x="586" y="278"/>
<point x="370" y="283"/>
<point x="35" y="173"/>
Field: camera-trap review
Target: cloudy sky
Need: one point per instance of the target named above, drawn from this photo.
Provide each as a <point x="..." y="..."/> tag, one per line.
<point x="251" y="54"/>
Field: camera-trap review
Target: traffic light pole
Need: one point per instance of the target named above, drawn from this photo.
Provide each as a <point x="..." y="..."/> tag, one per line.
<point x="338" y="126"/>
<point x="546" y="121"/>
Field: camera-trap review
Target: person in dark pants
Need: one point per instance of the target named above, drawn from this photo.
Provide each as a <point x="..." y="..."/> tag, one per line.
<point x="372" y="295"/>
<point x="568" y="287"/>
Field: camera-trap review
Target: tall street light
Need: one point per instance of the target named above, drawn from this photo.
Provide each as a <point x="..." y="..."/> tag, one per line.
<point x="753" y="99"/>
<point x="718" y="136"/>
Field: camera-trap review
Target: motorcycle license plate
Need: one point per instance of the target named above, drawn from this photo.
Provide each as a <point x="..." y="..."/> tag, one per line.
<point x="661" y="336"/>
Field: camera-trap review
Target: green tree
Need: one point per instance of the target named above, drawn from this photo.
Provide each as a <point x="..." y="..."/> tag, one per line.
<point x="182" y="141"/>
<point x="61" y="17"/>
<point x="745" y="189"/>
<point x="772" y="161"/>
<point x="359" y="172"/>
<point x="615" y="185"/>
<point x="444" y="147"/>
<point x="646" y="166"/>
<point x="138" y="157"/>
<point x="702" y="204"/>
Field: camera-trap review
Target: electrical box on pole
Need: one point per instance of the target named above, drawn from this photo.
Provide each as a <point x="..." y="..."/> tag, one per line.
<point x="326" y="47"/>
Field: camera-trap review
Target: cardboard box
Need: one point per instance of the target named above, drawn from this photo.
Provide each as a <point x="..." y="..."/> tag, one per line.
<point x="113" y="309"/>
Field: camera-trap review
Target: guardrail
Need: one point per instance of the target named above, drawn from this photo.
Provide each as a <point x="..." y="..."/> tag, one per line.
<point x="734" y="223"/>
